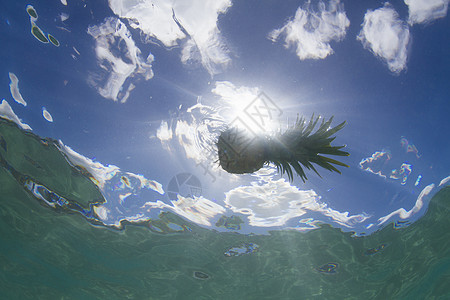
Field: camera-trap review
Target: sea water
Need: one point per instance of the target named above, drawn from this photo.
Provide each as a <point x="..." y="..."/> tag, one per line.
<point x="51" y="247"/>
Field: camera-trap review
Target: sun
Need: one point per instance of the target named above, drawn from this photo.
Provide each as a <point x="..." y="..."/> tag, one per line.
<point x="253" y="112"/>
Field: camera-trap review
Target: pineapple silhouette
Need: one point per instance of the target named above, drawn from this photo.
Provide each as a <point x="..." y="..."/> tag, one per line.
<point x="297" y="148"/>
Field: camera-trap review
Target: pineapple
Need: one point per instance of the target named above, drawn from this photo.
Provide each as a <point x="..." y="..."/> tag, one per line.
<point x="296" y="149"/>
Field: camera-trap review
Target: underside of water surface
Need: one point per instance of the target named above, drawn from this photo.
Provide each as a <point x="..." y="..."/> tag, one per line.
<point x="52" y="246"/>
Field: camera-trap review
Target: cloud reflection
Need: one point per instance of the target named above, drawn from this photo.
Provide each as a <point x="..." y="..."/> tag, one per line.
<point x="275" y="202"/>
<point x="115" y="185"/>
<point x="164" y="133"/>
<point x="7" y="113"/>
<point x="193" y="21"/>
<point x="402" y="213"/>
<point x="46" y="114"/>
<point x="119" y="58"/>
<point x="312" y="31"/>
<point x="14" y="88"/>
<point x="386" y="36"/>
<point x="376" y="163"/>
<point x="425" y="11"/>
<point x="197" y="209"/>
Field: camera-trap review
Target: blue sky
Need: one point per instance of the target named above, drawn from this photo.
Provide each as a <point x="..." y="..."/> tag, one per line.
<point x="143" y="88"/>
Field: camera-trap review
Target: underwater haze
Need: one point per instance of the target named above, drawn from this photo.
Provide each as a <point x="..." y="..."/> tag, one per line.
<point x="112" y="184"/>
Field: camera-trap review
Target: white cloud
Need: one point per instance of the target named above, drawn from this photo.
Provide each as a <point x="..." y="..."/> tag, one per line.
<point x="63" y="17"/>
<point x="386" y="36"/>
<point x="235" y="97"/>
<point x="145" y="183"/>
<point x="273" y="203"/>
<point x="425" y="11"/>
<point x="164" y="133"/>
<point x="115" y="186"/>
<point x="119" y="58"/>
<point x="14" y="89"/>
<point x="198" y="209"/>
<point x="193" y="132"/>
<point x="171" y="21"/>
<point x="444" y="181"/>
<point x="153" y="18"/>
<point x="402" y="213"/>
<point x="187" y="138"/>
<point x="103" y="175"/>
<point x="102" y="212"/>
<point x="47" y="115"/>
<point x="247" y="108"/>
<point x="7" y="113"/>
<point x="312" y="31"/>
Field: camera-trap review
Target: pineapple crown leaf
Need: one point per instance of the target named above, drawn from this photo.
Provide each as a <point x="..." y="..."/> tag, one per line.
<point x="300" y="146"/>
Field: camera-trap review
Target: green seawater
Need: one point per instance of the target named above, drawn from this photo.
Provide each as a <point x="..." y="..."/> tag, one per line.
<point x="48" y="253"/>
<point x="37" y="32"/>
<point x="53" y="40"/>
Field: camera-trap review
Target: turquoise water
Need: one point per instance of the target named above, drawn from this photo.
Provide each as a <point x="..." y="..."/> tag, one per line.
<point x="63" y="253"/>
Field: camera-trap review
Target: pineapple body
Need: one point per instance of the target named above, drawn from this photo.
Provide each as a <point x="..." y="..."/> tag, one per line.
<point x="238" y="155"/>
